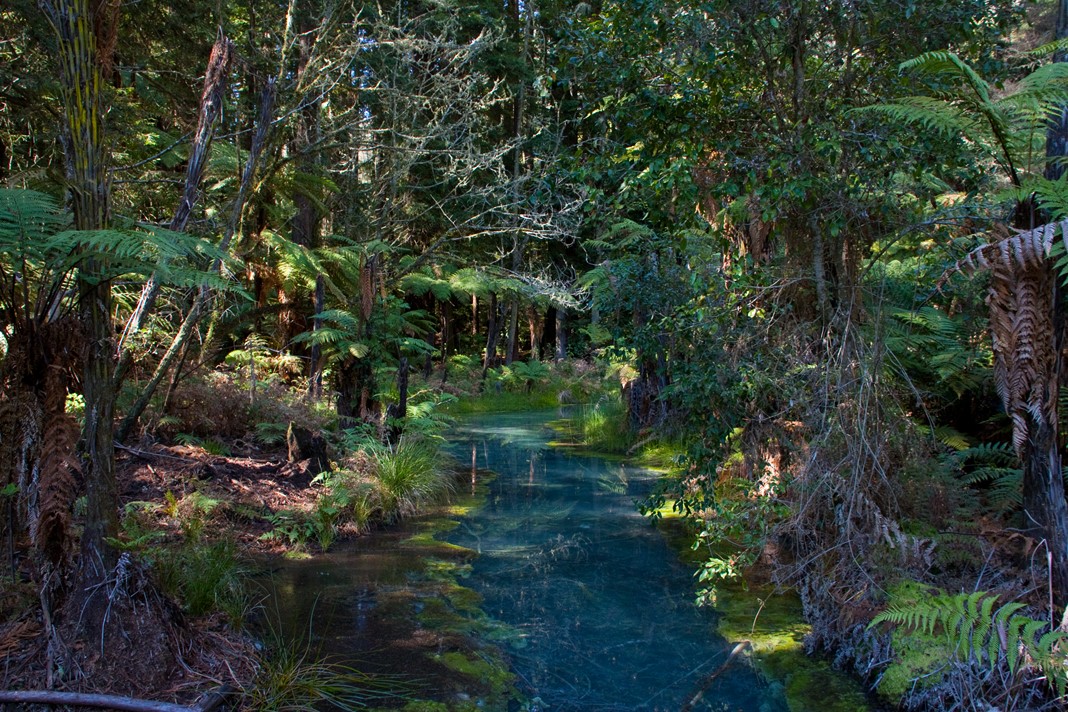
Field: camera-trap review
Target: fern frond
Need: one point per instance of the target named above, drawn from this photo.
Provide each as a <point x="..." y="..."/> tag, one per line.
<point x="932" y="114"/>
<point x="420" y="283"/>
<point x="27" y="217"/>
<point x="1051" y="195"/>
<point x="944" y="64"/>
<point x="977" y="631"/>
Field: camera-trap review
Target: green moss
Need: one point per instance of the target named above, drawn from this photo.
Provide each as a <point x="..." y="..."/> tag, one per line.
<point x="774" y="626"/>
<point x="489" y="671"/>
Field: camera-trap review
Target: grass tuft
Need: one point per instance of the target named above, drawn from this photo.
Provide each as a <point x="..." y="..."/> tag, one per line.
<point x="409" y="474"/>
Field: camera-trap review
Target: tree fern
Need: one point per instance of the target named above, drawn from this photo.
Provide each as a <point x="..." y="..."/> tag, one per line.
<point x="39" y="255"/>
<point x="959" y="102"/>
<point x="978" y="630"/>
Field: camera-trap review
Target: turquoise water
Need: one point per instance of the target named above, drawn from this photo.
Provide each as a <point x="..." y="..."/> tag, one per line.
<point x="582" y="597"/>
<point x="604" y="607"/>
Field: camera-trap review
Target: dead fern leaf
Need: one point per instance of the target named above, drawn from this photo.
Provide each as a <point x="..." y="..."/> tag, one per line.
<point x="1020" y="300"/>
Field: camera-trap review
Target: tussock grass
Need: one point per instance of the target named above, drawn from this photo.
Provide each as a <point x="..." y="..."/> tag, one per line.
<point x="409" y="474"/>
<point x="292" y="677"/>
<point x="205" y="577"/>
<point x="603" y="426"/>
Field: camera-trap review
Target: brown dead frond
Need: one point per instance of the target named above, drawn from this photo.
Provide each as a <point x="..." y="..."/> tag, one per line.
<point x="50" y="530"/>
<point x="1021" y="301"/>
<point x="37" y="437"/>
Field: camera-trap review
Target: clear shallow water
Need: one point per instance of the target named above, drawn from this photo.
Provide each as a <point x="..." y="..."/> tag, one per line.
<point x="604" y="608"/>
<point x="597" y="611"/>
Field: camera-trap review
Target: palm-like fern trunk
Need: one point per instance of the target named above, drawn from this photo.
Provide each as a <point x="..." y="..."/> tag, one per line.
<point x="80" y="66"/>
<point x="1048" y="494"/>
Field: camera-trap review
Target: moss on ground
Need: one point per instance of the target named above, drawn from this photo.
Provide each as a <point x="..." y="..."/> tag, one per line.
<point x="506" y="402"/>
<point x="774" y="625"/>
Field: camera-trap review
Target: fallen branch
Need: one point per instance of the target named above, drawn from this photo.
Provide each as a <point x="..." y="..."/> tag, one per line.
<point x="147" y="455"/>
<point x="208" y="702"/>
<point x="707" y="682"/>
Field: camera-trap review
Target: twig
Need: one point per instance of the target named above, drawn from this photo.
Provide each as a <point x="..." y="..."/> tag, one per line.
<point x="208" y="702"/>
<point x="146" y="455"/>
<point x="51" y="697"/>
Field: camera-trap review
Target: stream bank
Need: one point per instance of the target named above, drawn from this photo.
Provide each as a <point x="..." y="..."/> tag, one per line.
<point x="541" y="587"/>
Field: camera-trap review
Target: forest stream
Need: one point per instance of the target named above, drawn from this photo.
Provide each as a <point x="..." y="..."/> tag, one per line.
<point x="539" y="587"/>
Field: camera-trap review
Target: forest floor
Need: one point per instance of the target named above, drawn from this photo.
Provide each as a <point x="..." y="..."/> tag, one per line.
<point x="197" y="652"/>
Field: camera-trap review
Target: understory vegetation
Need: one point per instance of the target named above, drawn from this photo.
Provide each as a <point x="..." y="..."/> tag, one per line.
<point x="810" y="258"/>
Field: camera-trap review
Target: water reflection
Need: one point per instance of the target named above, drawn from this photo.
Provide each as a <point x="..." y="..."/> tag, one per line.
<point x="599" y="612"/>
<point x="605" y="611"/>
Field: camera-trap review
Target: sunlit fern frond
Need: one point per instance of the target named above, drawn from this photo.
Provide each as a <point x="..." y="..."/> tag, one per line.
<point x="424" y="282"/>
<point x="946" y="65"/>
<point x="933" y="114"/>
<point x="979" y="630"/>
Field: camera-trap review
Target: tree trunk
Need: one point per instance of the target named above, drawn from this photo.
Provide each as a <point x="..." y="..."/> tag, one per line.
<point x="513" y="332"/>
<point x="354" y="383"/>
<point x="211" y="101"/>
<point x="492" y="331"/>
<point x="474" y="315"/>
<point x="1044" y="502"/>
<point x="200" y="302"/>
<point x="1057" y="133"/>
<point x="315" y="371"/>
<point x="561" y="333"/>
<point x="88" y="183"/>
<point x="1045" y="510"/>
<point x="307" y="223"/>
<point x="537" y="327"/>
<point x="399" y="411"/>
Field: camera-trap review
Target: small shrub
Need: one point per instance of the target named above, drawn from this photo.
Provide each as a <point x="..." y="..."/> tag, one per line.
<point x="350" y="498"/>
<point x="292" y="527"/>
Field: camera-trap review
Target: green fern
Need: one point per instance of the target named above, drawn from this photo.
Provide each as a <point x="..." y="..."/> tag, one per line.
<point x="978" y="630"/>
<point x="929" y="344"/>
<point x="996" y="467"/>
<point x="39" y="256"/>
<point x="959" y="102"/>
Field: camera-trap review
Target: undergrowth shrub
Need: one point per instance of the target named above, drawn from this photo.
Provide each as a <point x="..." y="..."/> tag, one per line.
<point x="939" y="638"/>
<point x="218" y="406"/>
<point x="350" y="498"/>
<point x="203" y="575"/>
